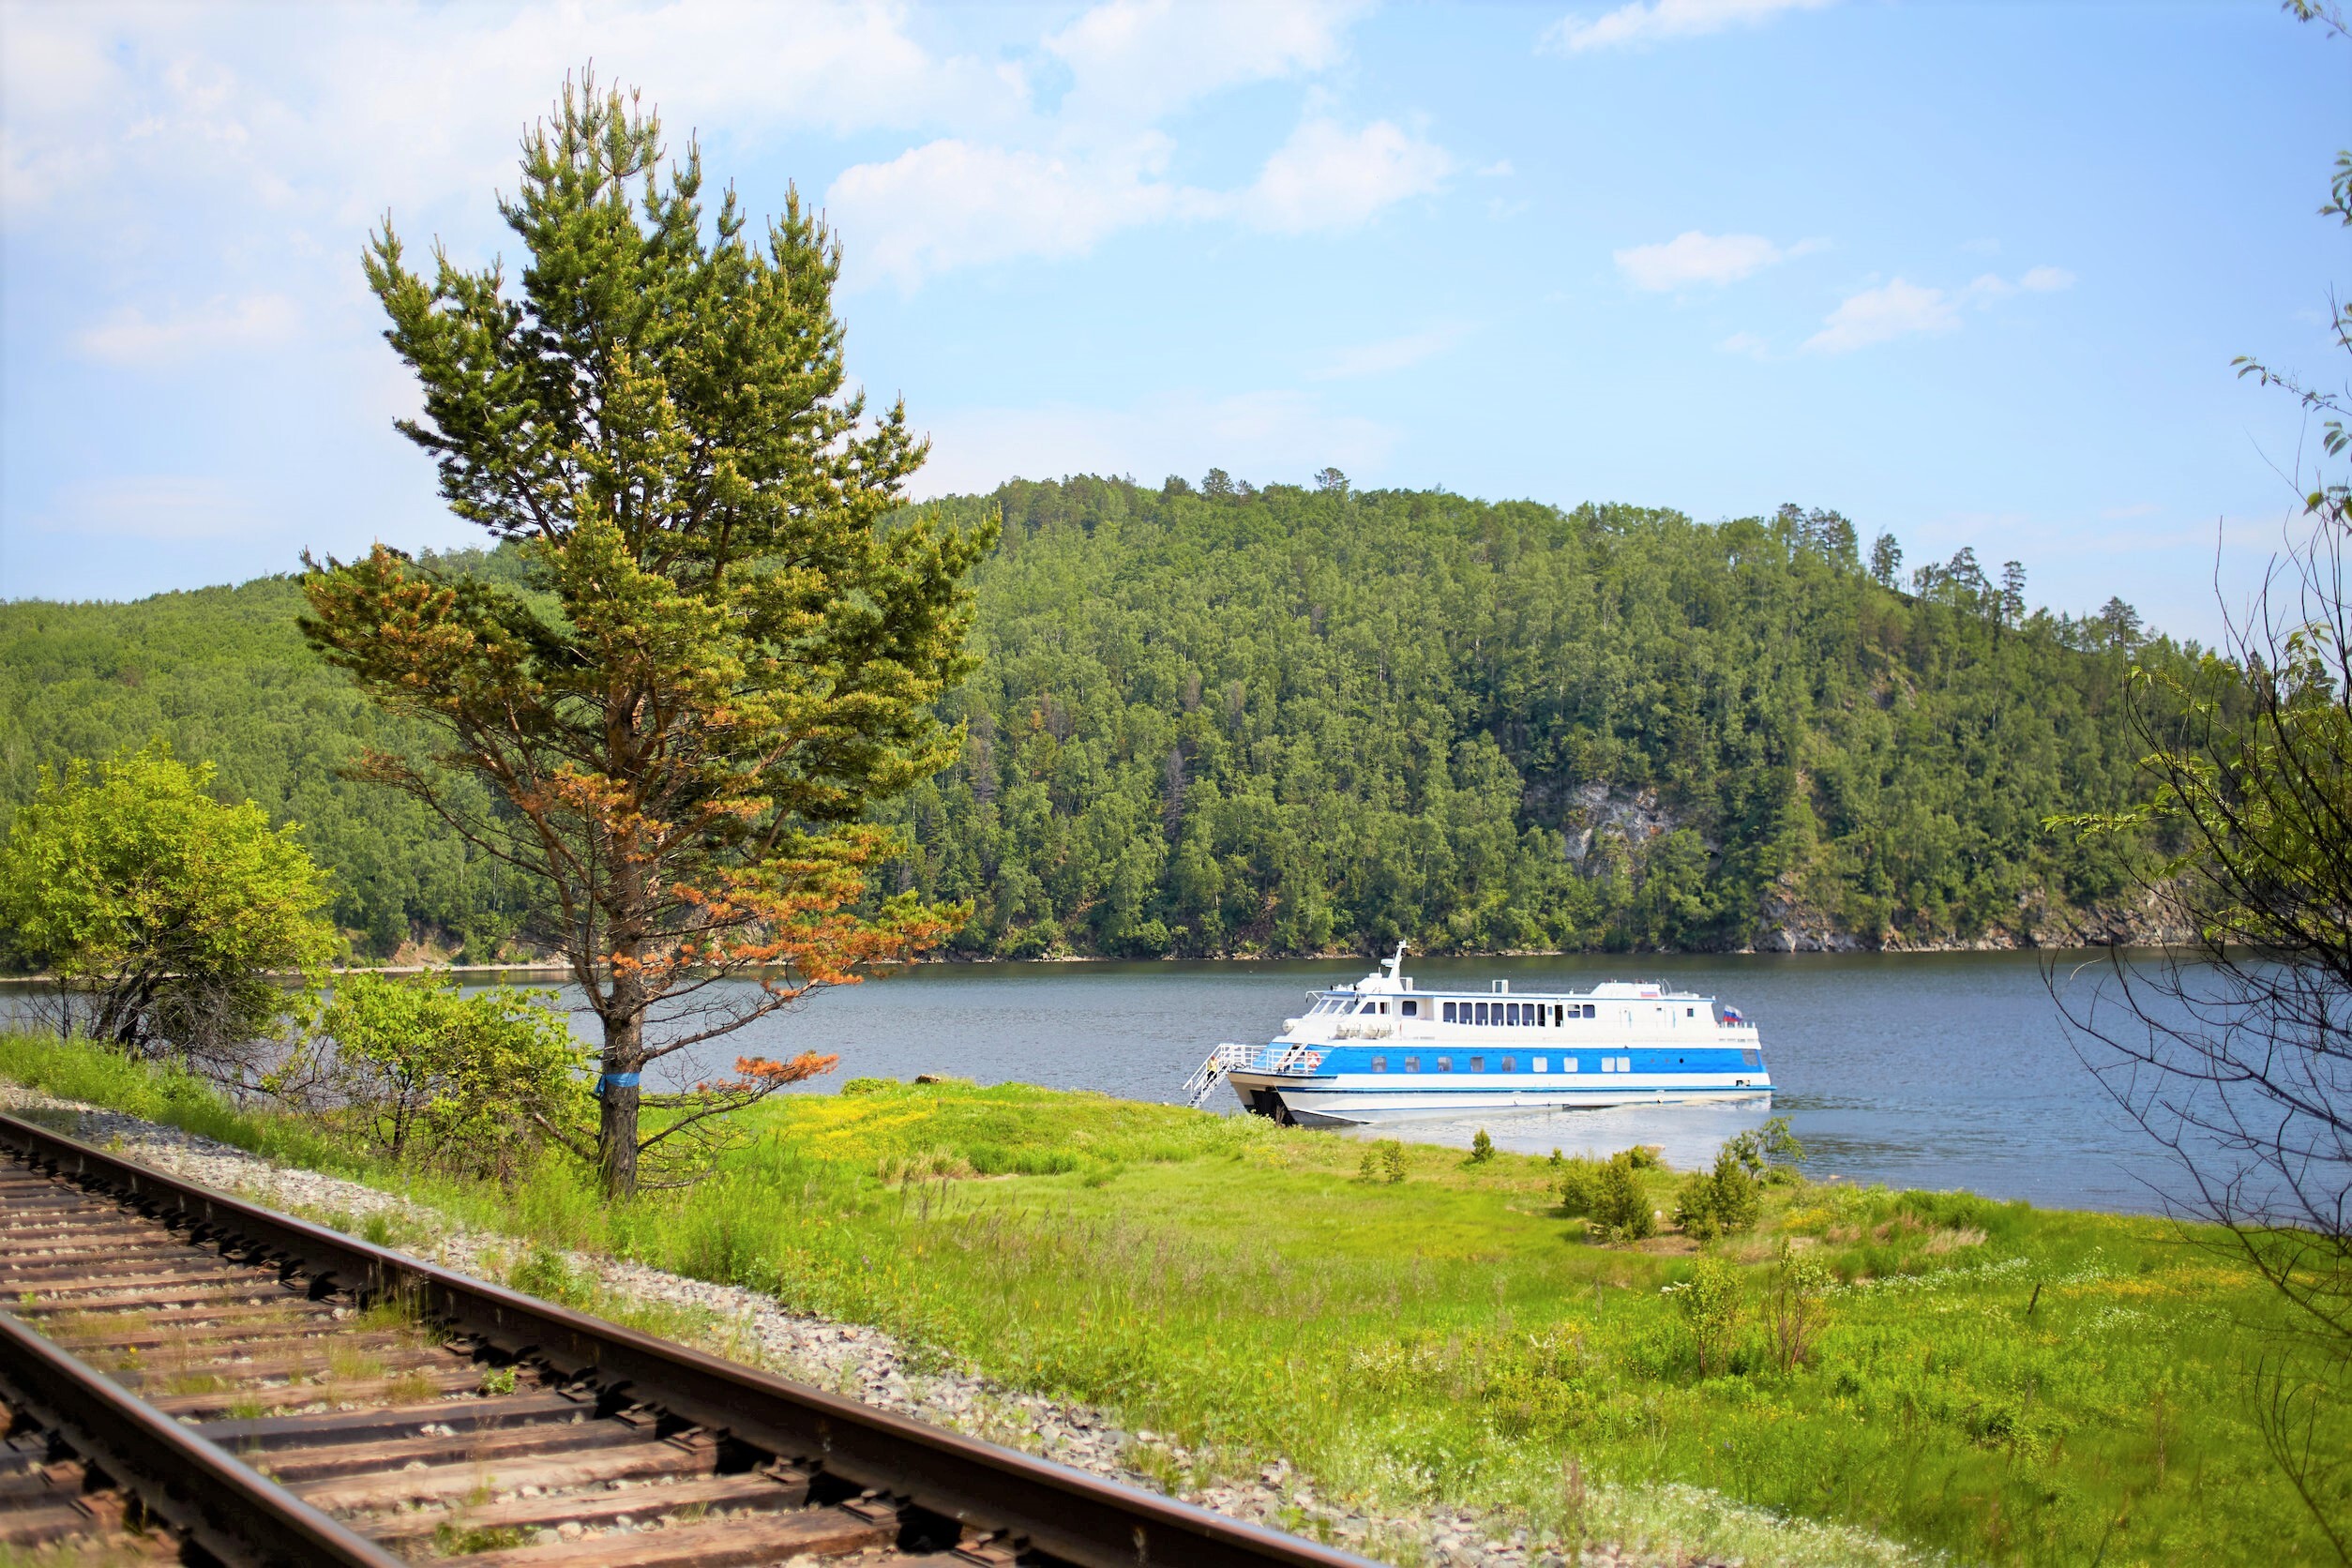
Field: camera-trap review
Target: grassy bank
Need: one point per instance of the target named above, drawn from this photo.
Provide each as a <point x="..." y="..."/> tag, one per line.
<point x="2002" y="1382"/>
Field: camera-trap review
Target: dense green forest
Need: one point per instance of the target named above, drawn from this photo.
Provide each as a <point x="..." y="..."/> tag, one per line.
<point x="1223" y="720"/>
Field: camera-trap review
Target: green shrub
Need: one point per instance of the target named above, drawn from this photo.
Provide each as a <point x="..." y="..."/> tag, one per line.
<point x="1392" y="1158"/>
<point x="1796" y="1305"/>
<point x="1771" y="1152"/>
<point x="1645" y="1156"/>
<point x="1579" y="1186"/>
<point x="1710" y="1303"/>
<point x="1482" y="1149"/>
<point x="1619" y="1206"/>
<point x="470" y="1084"/>
<point x="1722" y="1202"/>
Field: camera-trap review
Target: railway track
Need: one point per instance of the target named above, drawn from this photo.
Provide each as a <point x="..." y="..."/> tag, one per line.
<point x="188" y="1377"/>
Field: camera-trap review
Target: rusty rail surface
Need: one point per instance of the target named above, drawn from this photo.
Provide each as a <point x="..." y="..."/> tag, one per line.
<point x="185" y="1372"/>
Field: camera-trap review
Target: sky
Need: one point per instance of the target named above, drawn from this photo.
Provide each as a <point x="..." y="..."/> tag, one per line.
<point x="1973" y="274"/>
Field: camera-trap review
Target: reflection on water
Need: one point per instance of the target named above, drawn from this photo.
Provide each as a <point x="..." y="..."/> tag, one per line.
<point x="1934" y="1070"/>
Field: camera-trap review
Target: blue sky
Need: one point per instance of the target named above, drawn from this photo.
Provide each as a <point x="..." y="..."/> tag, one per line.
<point x="1973" y="274"/>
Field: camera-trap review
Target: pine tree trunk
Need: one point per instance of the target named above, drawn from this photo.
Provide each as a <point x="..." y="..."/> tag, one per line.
<point x="623" y="1058"/>
<point x="616" y="1129"/>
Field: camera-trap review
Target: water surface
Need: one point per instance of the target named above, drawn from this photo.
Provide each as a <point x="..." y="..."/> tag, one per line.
<point x="1927" y="1070"/>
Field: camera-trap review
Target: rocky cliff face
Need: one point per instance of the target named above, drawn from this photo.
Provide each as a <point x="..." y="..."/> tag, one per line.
<point x="1592" y="814"/>
<point x="2148" y="919"/>
<point x="1594" y="811"/>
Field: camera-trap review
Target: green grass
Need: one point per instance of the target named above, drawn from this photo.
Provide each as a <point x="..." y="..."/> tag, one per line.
<point x="1996" y="1381"/>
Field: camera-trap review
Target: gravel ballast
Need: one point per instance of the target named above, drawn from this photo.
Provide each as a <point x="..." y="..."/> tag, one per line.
<point x="1653" y="1527"/>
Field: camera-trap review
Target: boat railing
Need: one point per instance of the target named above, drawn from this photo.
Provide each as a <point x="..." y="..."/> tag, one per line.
<point x="1288" y="1059"/>
<point x="1222" y="1060"/>
<point x="1296" y="1060"/>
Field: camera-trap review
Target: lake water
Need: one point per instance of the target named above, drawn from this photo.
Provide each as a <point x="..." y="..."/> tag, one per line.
<point x="1928" y="1070"/>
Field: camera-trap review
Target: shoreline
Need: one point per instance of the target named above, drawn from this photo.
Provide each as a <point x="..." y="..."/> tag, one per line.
<point x="560" y="971"/>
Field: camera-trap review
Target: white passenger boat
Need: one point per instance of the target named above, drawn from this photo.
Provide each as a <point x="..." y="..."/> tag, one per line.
<point x="1384" y="1050"/>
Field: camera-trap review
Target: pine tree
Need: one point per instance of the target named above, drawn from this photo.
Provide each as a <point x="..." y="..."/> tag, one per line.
<point x="723" y="656"/>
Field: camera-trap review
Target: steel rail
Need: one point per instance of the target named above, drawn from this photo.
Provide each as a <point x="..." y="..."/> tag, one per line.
<point x="1064" y="1513"/>
<point x="218" y="1501"/>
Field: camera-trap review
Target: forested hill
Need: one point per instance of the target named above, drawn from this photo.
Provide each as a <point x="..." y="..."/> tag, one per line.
<point x="1285" y="720"/>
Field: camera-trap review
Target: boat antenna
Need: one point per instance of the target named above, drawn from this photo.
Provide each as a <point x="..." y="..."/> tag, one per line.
<point x="1396" y="964"/>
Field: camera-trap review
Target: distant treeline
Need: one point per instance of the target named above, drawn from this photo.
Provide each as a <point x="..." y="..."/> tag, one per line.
<point x="1234" y="720"/>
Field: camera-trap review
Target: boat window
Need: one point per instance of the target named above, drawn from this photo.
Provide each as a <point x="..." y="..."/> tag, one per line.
<point x="1383" y="1007"/>
<point x="1608" y="1063"/>
<point x="1510" y="1063"/>
<point x="1541" y="1065"/>
<point x="1448" y="1012"/>
<point x="1751" y="1058"/>
<point x="1379" y="1063"/>
<point x="1690" y="1012"/>
<point x="1624" y="1063"/>
<point x="1567" y="1063"/>
<point x="1412" y="1064"/>
<point x="1482" y="1012"/>
<point x="1511" y="1012"/>
<point x="1446" y="1063"/>
<point x="1591" y="1012"/>
<point x="1411" y="1009"/>
<point x="1478" y="1064"/>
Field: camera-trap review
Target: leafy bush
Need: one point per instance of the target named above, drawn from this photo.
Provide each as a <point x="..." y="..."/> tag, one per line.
<point x="1482" y="1149"/>
<point x="1722" y="1202"/>
<point x="1580" y="1185"/>
<point x="1771" y="1152"/>
<point x="1645" y="1156"/>
<point x="1796" y="1305"/>
<point x="1710" y="1303"/>
<point x="472" y="1084"/>
<point x="161" y="908"/>
<point x="1619" y="1206"/>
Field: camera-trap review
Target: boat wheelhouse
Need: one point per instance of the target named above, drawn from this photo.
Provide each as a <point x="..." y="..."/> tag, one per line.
<point x="1386" y="1051"/>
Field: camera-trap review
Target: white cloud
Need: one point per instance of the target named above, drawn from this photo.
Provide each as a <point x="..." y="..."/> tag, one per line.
<point x="1645" y="22"/>
<point x="1326" y="178"/>
<point x="1693" y="257"/>
<point x="1746" y="343"/>
<point x="162" y="508"/>
<point x="1389" y="354"/>
<point x="1900" y="310"/>
<point x="416" y="110"/>
<point x="951" y="203"/>
<point x="1259" y="436"/>
<point x="1133" y="61"/>
<point x="131" y="337"/>
<point x="1893" y="310"/>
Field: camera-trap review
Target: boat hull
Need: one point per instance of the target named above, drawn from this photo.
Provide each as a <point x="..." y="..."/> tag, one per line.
<point x="1339" y="1102"/>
